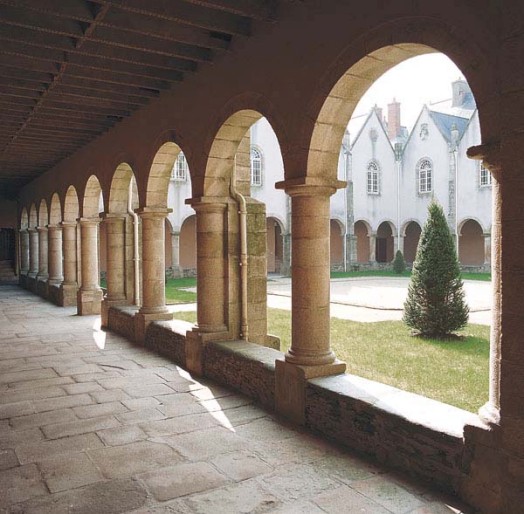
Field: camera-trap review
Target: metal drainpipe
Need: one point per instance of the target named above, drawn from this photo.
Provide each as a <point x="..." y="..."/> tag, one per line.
<point x="242" y="216"/>
<point x="136" y="253"/>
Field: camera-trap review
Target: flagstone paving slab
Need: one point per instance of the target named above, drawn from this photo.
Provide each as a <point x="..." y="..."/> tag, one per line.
<point x="120" y="429"/>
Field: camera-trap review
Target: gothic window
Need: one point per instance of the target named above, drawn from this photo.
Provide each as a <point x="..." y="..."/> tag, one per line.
<point x="373" y="178"/>
<point x="485" y="176"/>
<point x="179" y="172"/>
<point x="425" y="176"/>
<point x="256" y="166"/>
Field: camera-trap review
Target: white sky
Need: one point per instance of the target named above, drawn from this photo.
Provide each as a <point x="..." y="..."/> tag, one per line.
<point x="414" y="82"/>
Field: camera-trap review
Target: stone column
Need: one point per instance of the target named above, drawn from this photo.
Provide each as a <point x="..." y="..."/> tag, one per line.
<point x="24" y="251"/>
<point x="69" y="286"/>
<point x="116" y="292"/>
<point x="175" y="254"/>
<point x="31" y="282"/>
<point x="487" y="251"/>
<point x="43" y="250"/>
<point x="89" y="296"/>
<point x="310" y="354"/>
<point x="212" y="297"/>
<point x="55" y="254"/>
<point x="153" y="270"/>
<point x="373" y="248"/>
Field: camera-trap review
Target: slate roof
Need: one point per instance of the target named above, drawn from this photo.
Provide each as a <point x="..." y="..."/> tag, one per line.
<point x="444" y="122"/>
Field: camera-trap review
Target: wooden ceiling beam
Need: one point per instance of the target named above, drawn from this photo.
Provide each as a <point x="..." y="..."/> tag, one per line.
<point x="72" y="94"/>
<point x="262" y="10"/>
<point x="77" y="84"/>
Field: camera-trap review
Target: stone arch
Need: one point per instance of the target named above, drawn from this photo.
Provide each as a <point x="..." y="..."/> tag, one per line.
<point x="33" y="216"/>
<point x="384" y="241"/>
<point x="471" y="243"/>
<point x="160" y="175"/>
<point x="55" y="211"/>
<point x="364" y="61"/>
<point x="188" y="243"/>
<point x="411" y="233"/>
<point x="119" y="190"/>
<point x="336" y="242"/>
<point x="275" y="246"/>
<point x="93" y="199"/>
<point x="71" y="207"/>
<point x="223" y="151"/>
<point x="24" y="219"/>
<point x="362" y="230"/>
<point x="43" y="215"/>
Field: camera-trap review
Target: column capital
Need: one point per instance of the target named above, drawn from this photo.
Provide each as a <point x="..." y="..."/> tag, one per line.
<point x="23" y="230"/>
<point x="310" y="186"/>
<point x="110" y="216"/>
<point x="54" y="227"/>
<point x="32" y="230"/>
<point x="68" y="224"/>
<point x="208" y="203"/>
<point x="89" y="221"/>
<point x="153" y="212"/>
<point x="489" y="154"/>
<point x="41" y="229"/>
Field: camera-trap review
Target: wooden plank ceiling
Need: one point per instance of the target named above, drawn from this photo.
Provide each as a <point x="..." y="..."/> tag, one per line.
<point x="71" y="69"/>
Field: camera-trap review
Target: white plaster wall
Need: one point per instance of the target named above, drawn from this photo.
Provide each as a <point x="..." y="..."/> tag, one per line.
<point x="177" y="194"/>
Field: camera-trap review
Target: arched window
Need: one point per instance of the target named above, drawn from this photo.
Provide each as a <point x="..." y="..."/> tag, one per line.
<point x="425" y="176"/>
<point x="179" y="172"/>
<point x="373" y="178"/>
<point x="256" y="166"/>
<point x="485" y="176"/>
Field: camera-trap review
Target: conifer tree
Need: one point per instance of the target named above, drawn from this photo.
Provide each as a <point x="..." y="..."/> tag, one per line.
<point x="435" y="305"/>
<point x="399" y="264"/>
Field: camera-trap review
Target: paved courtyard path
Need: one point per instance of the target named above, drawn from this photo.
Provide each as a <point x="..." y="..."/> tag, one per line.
<point x="90" y="423"/>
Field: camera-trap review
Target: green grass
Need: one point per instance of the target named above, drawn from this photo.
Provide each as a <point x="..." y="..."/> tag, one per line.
<point x="175" y="293"/>
<point x="453" y="371"/>
<point x="387" y="273"/>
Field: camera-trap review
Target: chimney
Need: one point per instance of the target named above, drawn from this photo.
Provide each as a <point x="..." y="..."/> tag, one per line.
<point x="460" y="90"/>
<point x="393" y="119"/>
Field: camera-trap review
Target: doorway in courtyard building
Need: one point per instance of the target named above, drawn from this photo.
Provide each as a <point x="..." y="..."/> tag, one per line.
<point x="411" y="238"/>
<point x="336" y="245"/>
<point x="397" y="156"/>
<point x="274" y="245"/>
<point x="471" y="244"/>
<point x="384" y="243"/>
<point x="7" y="244"/>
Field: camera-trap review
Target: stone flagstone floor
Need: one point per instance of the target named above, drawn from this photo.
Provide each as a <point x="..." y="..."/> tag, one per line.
<point x="90" y="423"/>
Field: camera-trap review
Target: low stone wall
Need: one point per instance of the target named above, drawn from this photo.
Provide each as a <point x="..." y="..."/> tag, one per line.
<point x="168" y="338"/>
<point x="120" y="320"/>
<point x="246" y="367"/>
<point x="54" y="294"/>
<point x="409" y="432"/>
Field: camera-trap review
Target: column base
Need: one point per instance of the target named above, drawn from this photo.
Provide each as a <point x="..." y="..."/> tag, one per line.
<point x="31" y="283"/>
<point x="142" y="321"/>
<point x="106" y="305"/>
<point x="68" y="295"/>
<point x="290" y="386"/>
<point x="489" y="414"/>
<point x="42" y="286"/>
<point x="53" y="292"/>
<point x="195" y="344"/>
<point x="89" y="302"/>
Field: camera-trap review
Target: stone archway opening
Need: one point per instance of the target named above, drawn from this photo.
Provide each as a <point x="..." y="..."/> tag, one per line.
<point x="275" y="245"/>
<point x="411" y="237"/>
<point x="362" y="234"/>
<point x="471" y="244"/>
<point x="336" y="245"/>
<point x="384" y="244"/>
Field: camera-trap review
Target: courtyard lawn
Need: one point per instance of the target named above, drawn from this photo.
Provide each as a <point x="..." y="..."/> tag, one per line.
<point x="388" y="273"/>
<point x="453" y="372"/>
<point x="175" y="292"/>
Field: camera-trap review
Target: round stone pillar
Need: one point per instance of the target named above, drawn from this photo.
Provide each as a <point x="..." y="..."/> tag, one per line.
<point x="54" y="233"/>
<point x="24" y="251"/>
<point x="115" y="231"/>
<point x="33" y="252"/>
<point x="310" y="276"/>
<point x="90" y="295"/>
<point x="43" y="250"/>
<point x="69" y="252"/>
<point x="153" y="260"/>
<point x="211" y="265"/>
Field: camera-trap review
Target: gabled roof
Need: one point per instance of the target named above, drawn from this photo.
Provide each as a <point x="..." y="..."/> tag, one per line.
<point x="372" y="112"/>
<point x="445" y="122"/>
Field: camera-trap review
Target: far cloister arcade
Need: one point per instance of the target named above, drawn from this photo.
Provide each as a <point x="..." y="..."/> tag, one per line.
<point x="122" y="183"/>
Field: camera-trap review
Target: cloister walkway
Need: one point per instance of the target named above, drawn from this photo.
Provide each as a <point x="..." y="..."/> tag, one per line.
<point x="90" y="423"/>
